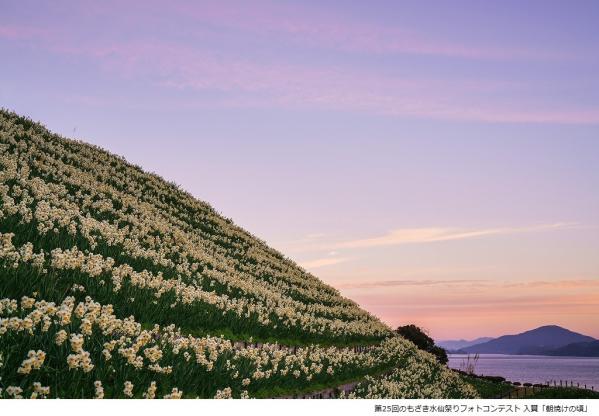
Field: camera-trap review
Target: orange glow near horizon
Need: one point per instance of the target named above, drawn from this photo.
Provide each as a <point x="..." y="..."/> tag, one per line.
<point x="466" y="282"/>
<point x="486" y="310"/>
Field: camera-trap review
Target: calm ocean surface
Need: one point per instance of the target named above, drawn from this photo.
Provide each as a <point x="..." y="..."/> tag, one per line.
<point x="535" y="368"/>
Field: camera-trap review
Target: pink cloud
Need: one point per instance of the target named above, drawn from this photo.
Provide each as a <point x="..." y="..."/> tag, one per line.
<point x="20" y="32"/>
<point x="432" y="234"/>
<point x="254" y="83"/>
<point x="322" y="262"/>
<point x="547" y="285"/>
<point x="404" y="282"/>
<point x="301" y="25"/>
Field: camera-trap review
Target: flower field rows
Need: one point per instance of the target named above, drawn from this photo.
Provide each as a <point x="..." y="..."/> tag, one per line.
<point x="115" y="284"/>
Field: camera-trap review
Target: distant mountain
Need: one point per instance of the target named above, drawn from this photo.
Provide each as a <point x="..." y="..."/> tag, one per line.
<point x="578" y="349"/>
<point x="454" y="345"/>
<point x="536" y="341"/>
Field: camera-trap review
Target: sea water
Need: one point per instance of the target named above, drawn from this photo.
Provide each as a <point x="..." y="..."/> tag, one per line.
<point x="534" y="368"/>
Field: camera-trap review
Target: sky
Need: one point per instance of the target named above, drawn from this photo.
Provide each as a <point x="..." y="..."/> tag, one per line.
<point x="437" y="162"/>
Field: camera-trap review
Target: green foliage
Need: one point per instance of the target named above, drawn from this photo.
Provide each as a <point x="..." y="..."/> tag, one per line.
<point x="497" y="387"/>
<point x="563" y="393"/>
<point x="423" y="341"/>
<point x="488" y="389"/>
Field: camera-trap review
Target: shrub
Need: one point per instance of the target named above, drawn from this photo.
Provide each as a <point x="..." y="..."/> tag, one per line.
<point x="423" y="341"/>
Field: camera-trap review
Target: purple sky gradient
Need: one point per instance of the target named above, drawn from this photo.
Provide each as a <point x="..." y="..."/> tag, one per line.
<point x="436" y="161"/>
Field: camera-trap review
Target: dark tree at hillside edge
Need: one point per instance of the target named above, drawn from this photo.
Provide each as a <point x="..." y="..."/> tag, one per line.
<point x="422" y="341"/>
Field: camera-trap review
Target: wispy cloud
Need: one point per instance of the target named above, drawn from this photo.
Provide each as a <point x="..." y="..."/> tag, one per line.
<point x="310" y="242"/>
<point x="20" y="32"/>
<point x="327" y="261"/>
<point x="396" y="283"/>
<point x="431" y="235"/>
<point x="555" y="284"/>
<point x="245" y="81"/>
<point x="547" y="285"/>
<point x="301" y="25"/>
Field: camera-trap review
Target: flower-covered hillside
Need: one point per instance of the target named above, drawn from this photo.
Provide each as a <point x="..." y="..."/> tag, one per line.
<point x="115" y="283"/>
<point x="169" y="257"/>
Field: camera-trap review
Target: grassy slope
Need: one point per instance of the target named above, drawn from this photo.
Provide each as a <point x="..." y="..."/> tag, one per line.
<point x="144" y="273"/>
<point x="245" y="255"/>
<point x="488" y="389"/>
<point x="564" y="393"/>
